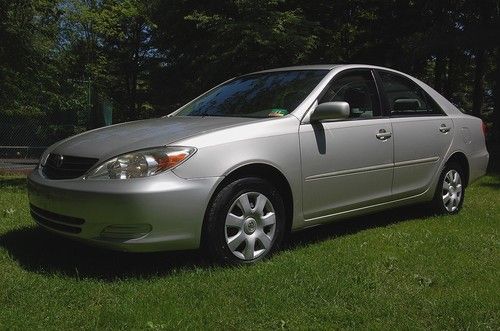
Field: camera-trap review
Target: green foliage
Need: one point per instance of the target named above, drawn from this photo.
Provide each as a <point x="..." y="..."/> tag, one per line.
<point x="60" y="60"/>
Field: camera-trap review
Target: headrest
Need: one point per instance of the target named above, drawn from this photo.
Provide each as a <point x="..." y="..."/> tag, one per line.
<point x="407" y="104"/>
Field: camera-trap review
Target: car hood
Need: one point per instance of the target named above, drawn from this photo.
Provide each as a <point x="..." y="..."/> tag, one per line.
<point x="117" y="139"/>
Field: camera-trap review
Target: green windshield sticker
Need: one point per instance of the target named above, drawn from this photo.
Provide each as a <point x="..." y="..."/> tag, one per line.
<point x="278" y="112"/>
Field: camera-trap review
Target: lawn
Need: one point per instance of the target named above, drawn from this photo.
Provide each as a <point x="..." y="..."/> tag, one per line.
<point x="404" y="269"/>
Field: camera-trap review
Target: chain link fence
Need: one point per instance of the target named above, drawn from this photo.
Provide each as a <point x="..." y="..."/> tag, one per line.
<point x="23" y="139"/>
<point x="24" y="136"/>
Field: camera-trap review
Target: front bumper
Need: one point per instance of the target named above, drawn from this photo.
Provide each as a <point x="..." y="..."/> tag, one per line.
<point x="166" y="210"/>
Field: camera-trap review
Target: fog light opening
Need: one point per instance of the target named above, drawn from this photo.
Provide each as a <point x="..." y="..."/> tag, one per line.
<point x="126" y="231"/>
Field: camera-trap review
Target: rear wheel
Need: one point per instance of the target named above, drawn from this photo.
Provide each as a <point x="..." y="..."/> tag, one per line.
<point x="449" y="196"/>
<point x="245" y="222"/>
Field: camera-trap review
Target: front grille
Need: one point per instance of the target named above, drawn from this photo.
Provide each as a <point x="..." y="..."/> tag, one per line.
<point x="56" y="221"/>
<point x="67" y="167"/>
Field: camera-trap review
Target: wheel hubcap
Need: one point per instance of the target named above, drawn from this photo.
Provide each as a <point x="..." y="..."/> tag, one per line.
<point x="250" y="225"/>
<point x="452" y="190"/>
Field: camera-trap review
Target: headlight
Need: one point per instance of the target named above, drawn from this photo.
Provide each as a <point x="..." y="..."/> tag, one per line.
<point x="143" y="163"/>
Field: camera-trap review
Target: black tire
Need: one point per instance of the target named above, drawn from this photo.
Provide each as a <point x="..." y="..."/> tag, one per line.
<point x="214" y="233"/>
<point x="438" y="203"/>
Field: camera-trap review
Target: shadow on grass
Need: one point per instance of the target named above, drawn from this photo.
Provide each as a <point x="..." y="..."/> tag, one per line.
<point x="40" y="251"/>
<point x="37" y="250"/>
<point x="353" y="225"/>
<point x="493" y="184"/>
<point x="13" y="182"/>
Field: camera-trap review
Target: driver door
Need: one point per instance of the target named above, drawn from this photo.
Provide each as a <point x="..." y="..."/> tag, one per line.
<point x="347" y="164"/>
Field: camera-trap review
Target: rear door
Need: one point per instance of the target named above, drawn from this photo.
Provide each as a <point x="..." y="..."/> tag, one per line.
<point x="422" y="133"/>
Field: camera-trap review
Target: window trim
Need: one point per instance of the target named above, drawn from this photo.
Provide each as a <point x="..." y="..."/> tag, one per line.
<point x="385" y="100"/>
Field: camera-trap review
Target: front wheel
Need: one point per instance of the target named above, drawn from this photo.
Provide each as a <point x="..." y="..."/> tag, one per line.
<point x="245" y="222"/>
<point x="450" y="193"/>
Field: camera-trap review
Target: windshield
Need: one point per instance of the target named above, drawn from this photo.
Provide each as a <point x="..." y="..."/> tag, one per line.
<point x="271" y="94"/>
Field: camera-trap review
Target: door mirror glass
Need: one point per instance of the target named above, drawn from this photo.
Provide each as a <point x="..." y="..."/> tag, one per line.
<point x="331" y="111"/>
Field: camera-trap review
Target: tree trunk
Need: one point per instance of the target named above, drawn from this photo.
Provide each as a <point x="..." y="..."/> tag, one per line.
<point x="451" y="76"/>
<point x="95" y="119"/>
<point x="496" y="111"/>
<point x="438" y="73"/>
<point x="134" y="70"/>
<point x="478" y="91"/>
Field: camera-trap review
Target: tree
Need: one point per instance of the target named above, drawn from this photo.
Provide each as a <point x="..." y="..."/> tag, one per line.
<point x="60" y="60"/>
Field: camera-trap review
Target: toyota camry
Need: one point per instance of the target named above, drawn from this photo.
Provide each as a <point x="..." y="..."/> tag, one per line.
<point x="235" y="170"/>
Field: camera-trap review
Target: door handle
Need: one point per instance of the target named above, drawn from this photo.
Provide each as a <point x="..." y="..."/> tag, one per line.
<point x="444" y="129"/>
<point x="383" y="134"/>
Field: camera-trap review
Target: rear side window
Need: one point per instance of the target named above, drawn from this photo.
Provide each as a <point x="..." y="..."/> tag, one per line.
<point x="406" y="98"/>
<point x="358" y="89"/>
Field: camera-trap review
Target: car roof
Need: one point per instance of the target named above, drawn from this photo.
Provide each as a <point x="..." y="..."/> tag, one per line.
<point x="304" y="67"/>
<point x="322" y="67"/>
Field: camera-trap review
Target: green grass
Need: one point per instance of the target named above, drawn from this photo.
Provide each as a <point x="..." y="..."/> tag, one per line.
<point x="403" y="269"/>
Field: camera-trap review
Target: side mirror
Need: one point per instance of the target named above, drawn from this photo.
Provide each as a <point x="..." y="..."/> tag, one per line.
<point x="330" y="111"/>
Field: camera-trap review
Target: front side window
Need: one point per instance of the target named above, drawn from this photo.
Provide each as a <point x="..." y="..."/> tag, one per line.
<point x="406" y="98"/>
<point x="271" y="94"/>
<point x="358" y="89"/>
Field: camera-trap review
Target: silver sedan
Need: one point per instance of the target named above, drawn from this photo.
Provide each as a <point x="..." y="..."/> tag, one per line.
<point x="235" y="170"/>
